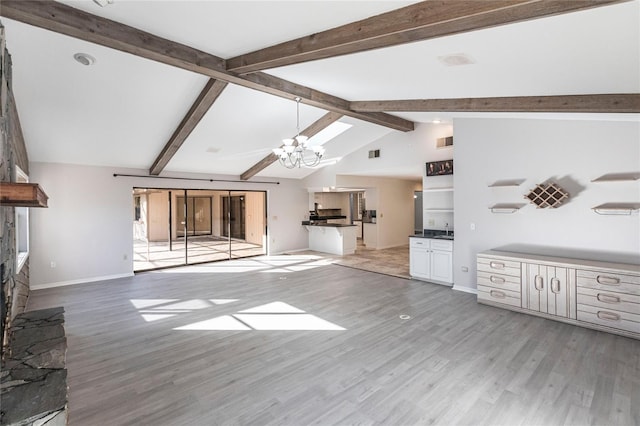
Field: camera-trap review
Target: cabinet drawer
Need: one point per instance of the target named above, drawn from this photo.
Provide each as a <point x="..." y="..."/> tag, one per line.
<point x="609" y="300"/>
<point x="507" y="267"/>
<point x="506" y="297"/>
<point x="608" y="281"/>
<point x="442" y="245"/>
<point x="419" y="242"/>
<point x="609" y="317"/>
<point x="499" y="281"/>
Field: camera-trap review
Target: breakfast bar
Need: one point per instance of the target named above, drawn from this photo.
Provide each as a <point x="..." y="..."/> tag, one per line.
<point x="332" y="238"/>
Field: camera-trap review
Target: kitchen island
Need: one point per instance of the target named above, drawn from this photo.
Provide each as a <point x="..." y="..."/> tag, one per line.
<point x="332" y="238"/>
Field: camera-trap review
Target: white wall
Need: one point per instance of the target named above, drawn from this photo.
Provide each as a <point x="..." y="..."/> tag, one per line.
<point x="401" y="153"/>
<point x="393" y="201"/>
<point x="571" y="153"/>
<point x="87" y="229"/>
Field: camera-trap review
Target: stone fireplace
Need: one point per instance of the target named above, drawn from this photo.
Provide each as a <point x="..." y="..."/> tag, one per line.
<point x="33" y="388"/>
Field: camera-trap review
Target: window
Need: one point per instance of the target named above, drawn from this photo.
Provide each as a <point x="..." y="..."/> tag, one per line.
<point x="21" y="226"/>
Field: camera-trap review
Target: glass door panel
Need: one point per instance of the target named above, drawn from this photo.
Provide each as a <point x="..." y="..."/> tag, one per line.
<point x="173" y="227"/>
<point x="205" y="242"/>
<point x="154" y="244"/>
<point x="247" y="223"/>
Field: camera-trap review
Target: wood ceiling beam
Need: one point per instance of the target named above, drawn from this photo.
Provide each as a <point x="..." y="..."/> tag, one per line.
<point x="203" y="102"/>
<point x="315" y="128"/>
<point x="604" y="103"/>
<point x="421" y="21"/>
<point x="63" y="19"/>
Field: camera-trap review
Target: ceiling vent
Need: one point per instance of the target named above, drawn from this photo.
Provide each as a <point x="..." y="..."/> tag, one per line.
<point x="374" y="153"/>
<point x="444" y="142"/>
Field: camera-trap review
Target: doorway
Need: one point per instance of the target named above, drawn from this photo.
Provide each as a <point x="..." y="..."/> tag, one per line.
<point x="176" y="227"/>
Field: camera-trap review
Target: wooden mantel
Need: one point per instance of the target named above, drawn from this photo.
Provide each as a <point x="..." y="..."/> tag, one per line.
<point x="14" y="194"/>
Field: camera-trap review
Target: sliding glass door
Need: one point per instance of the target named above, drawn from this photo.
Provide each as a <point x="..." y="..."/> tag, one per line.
<point x="181" y="227"/>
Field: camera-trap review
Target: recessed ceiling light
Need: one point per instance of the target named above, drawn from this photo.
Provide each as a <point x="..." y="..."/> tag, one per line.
<point x="213" y="149"/>
<point x="103" y="3"/>
<point x="84" y="59"/>
<point x="436" y="121"/>
<point x="456" y="59"/>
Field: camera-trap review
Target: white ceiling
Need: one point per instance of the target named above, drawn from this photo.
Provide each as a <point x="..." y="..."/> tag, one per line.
<point x="121" y="111"/>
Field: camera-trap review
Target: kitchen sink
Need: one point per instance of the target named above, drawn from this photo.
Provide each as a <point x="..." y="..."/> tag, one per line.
<point x="443" y="237"/>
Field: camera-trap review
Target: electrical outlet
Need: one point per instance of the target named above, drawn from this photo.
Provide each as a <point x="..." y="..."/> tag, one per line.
<point x="53" y="264"/>
<point x="464" y="269"/>
<point x="432" y="222"/>
<point x="472" y="226"/>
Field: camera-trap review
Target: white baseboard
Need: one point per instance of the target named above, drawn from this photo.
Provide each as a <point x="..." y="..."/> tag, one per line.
<point x="80" y="281"/>
<point x="465" y="289"/>
<point x="280" y="253"/>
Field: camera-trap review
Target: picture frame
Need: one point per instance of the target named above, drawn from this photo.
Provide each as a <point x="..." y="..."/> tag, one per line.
<point x="440" y="168"/>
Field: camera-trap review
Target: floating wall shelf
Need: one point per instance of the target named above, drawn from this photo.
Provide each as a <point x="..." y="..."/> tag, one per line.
<point x="618" y="177"/>
<point x="547" y="195"/>
<point x="439" y="210"/>
<point x="441" y="189"/>
<point x="15" y="194"/>
<point x="506" y="182"/>
<point x="616" y="208"/>
<point x="506" y="208"/>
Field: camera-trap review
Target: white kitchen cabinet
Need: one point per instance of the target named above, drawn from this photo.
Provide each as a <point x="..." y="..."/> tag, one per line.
<point x="431" y="259"/>
<point x="370" y="235"/>
<point x="589" y="293"/>
<point x="550" y="290"/>
<point x="419" y="258"/>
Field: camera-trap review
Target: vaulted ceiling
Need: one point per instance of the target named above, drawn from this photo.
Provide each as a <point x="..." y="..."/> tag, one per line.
<point x="126" y="108"/>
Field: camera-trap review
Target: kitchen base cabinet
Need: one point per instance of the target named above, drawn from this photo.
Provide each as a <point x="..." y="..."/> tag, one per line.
<point x="550" y="290"/>
<point x="594" y="294"/>
<point x="419" y="259"/>
<point x="431" y="259"/>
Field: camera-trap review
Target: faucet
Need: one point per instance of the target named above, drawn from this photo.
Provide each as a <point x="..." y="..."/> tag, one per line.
<point x="446" y="229"/>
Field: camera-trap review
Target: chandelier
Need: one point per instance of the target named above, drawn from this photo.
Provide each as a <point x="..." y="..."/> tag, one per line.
<point x="296" y="152"/>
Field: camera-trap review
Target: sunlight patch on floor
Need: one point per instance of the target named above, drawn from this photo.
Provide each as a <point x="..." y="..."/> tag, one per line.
<point x="298" y="322"/>
<point x="222" y="323"/>
<point x="273" y="308"/>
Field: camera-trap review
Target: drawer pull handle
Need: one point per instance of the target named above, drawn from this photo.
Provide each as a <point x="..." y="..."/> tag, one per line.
<point x="538" y="283"/>
<point x="496" y="280"/>
<point x="497" y="294"/>
<point x="555" y="285"/>
<point x="607" y="298"/>
<point x="496" y="265"/>
<point x="610" y="316"/>
<point x="603" y="279"/>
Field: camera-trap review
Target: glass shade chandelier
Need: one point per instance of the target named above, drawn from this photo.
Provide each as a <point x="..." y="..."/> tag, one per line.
<point x="296" y="152"/>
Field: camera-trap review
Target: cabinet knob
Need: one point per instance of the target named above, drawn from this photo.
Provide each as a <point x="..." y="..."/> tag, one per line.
<point x="603" y="279"/>
<point x="538" y="283"/>
<point x="497" y="294"/>
<point x="609" y="316"/>
<point x="496" y="280"/>
<point x="608" y="298"/>
<point x="497" y="265"/>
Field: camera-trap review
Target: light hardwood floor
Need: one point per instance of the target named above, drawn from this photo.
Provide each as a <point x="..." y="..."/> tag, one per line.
<point x="452" y="362"/>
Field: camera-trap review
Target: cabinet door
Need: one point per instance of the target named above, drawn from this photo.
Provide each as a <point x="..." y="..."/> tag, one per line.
<point x="560" y="297"/>
<point x="537" y="287"/>
<point x="442" y="266"/>
<point x="419" y="262"/>
<point x="551" y="290"/>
